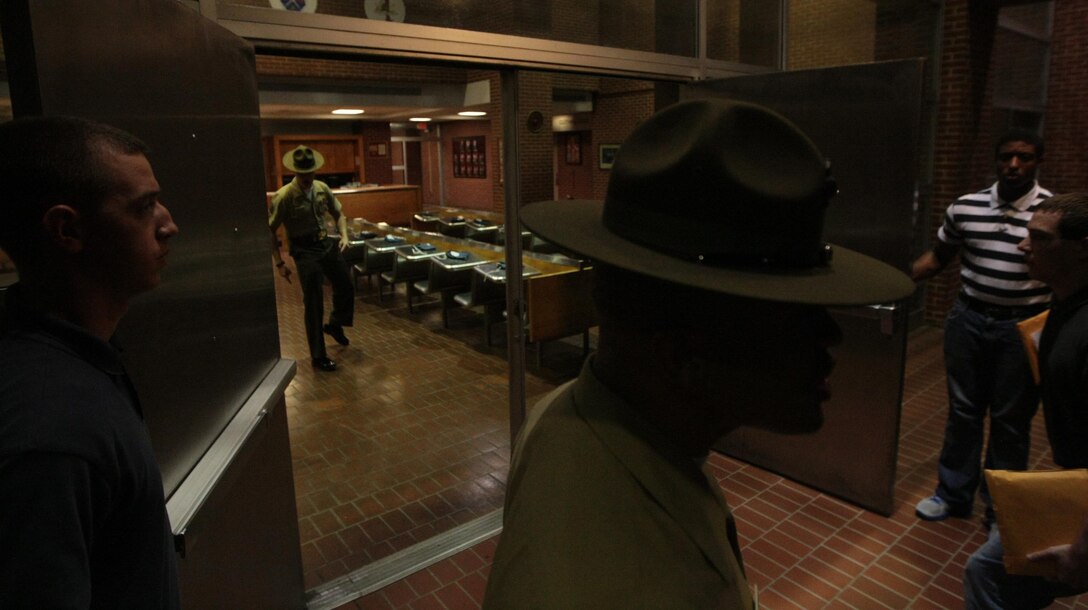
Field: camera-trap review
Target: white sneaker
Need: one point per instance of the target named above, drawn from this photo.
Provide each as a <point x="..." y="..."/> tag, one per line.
<point x="934" y="508"/>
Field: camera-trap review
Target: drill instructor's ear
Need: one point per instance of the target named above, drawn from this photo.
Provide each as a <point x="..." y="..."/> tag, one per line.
<point x="64" y="228"/>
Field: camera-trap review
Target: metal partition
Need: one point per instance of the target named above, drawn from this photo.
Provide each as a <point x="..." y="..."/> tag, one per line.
<point x="199" y="345"/>
<point x="865" y="119"/>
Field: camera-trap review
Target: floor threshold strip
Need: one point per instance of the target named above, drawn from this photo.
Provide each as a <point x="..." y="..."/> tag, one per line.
<point x="401" y="564"/>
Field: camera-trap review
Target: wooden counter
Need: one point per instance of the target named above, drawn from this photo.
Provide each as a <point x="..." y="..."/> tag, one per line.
<point x="394" y="204"/>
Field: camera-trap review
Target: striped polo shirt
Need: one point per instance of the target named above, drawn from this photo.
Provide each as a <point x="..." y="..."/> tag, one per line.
<point x="987" y="230"/>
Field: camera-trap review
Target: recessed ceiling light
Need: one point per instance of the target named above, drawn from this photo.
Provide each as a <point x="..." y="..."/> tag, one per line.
<point x="472" y="113"/>
<point x="348" y="111"/>
<point x="420" y="119"/>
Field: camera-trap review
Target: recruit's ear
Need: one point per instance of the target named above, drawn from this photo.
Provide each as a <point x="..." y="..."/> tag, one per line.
<point x="64" y="228"/>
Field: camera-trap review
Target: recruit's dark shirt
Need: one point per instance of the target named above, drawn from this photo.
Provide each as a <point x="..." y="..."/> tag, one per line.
<point x="83" y="523"/>
<point x="1063" y="358"/>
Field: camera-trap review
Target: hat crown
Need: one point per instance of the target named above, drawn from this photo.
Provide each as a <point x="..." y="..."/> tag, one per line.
<point x="303" y="159"/>
<point x="721" y="182"/>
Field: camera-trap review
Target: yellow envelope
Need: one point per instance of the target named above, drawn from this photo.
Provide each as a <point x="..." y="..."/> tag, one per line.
<point x="1030" y="331"/>
<point x="1037" y="510"/>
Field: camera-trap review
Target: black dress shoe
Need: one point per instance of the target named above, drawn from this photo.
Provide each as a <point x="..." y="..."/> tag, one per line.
<point x="336" y="332"/>
<point x="324" y="364"/>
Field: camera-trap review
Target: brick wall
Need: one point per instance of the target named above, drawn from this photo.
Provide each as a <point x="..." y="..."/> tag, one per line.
<point x="535" y="162"/>
<point x="467" y="192"/>
<point x="356" y="70"/>
<point x="621" y="105"/>
<point x="378" y="170"/>
<point x="830" y="33"/>
<point x="1066" y="166"/>
<point x="723" y="30"/>
<point x="963" y="153"/>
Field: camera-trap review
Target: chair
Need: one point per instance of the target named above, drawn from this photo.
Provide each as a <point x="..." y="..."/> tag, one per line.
<point x="558" y="306"/>
<point x="372" y="262"/>
<point x="425" y="223"/>
<point x="453" y="230"/>
<point x="446" y="282"/>
<point x="485" y="234"/>
<point x="487" y="294"/>
<point x="406" y="271"/>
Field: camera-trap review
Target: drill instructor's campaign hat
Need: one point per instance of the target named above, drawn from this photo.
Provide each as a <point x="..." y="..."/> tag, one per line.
<point x="723" y="196"/>
<point x="303" y="160"/>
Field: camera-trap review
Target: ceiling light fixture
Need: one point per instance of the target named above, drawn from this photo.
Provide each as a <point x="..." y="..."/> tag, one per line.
<point x="348" y="111"/>
<point x="472" y="113"/>
<point x="420" y="119"/>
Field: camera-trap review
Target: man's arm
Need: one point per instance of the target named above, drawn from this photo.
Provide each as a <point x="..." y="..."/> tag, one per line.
<point x="1070" y="559"/>
<point x="933" y="262"/>
<point x="341" y="221"/>
<point x="275" y="219"/>
<point x="50" y="505"/>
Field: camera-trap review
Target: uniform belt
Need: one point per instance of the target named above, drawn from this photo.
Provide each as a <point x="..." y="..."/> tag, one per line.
<point x="1002" y="312"/>
<point x="309" y="238"/>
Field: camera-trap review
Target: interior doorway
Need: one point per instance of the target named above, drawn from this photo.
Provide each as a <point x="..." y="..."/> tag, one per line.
<point x="574" y="165"/>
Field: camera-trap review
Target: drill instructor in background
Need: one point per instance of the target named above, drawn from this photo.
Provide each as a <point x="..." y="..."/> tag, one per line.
<point x="301" y="207"/>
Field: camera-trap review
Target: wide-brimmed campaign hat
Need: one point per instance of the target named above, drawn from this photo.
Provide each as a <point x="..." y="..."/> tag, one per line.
<point x="303" y="159"/>
<point x="724" y="196"/>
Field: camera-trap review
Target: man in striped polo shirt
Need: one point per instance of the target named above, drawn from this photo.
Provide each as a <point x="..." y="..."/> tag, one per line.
<point x="984" y="357"/>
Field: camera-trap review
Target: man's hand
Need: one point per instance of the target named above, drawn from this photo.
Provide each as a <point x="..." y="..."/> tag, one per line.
<point x="285" y="271"/>
<point x="343" y="241"/>
<point x="1072" y="565"/>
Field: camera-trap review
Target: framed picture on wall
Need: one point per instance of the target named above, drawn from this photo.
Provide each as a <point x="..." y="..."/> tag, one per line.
<point x="574" y="149"/>
<point x="380" y="149"/>
<point x="470" y="157"/>
<point x="607" y="155"/>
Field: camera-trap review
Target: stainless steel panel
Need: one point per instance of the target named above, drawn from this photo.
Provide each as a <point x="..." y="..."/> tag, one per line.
<point x="865" y="119"/>
<point x="853" y="455"/>
<point x="197" y="345"/>
<point x="241" y="548"/>
<point x="200" y="345"/>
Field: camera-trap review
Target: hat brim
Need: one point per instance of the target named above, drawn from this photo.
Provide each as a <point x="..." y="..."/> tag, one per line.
<point x="852" y="278"/>
<point x="289" y="162"/>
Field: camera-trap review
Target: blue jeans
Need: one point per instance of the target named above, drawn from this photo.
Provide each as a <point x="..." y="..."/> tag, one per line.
<point x="987" y="370"/>
<point x="986" y="585"/>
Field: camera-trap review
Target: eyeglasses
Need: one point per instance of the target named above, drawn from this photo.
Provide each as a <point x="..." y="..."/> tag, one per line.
<point x="1024" y="157"/>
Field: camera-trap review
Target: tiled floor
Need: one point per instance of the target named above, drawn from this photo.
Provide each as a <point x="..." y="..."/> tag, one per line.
<point x="410" y="438"/>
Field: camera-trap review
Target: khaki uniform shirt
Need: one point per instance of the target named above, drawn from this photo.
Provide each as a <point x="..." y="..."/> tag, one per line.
<point x="302" y="215"/>
<point x="601" y="514"/>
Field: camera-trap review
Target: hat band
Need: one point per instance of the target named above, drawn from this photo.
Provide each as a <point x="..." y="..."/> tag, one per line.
<point x="789" y="260"/>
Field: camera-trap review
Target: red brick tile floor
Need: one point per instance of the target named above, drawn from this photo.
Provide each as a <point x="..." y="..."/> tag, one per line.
<point x="410" y="438"/>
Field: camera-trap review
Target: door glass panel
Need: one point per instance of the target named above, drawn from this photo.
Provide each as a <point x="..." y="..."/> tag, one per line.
<point x="410" y="437"/>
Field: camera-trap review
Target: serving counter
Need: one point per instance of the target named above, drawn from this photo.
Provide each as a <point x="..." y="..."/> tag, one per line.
<point x="394" y="203"/>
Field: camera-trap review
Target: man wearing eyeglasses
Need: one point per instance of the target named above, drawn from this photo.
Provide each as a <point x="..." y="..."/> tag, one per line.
<point x="985" y="363"/>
